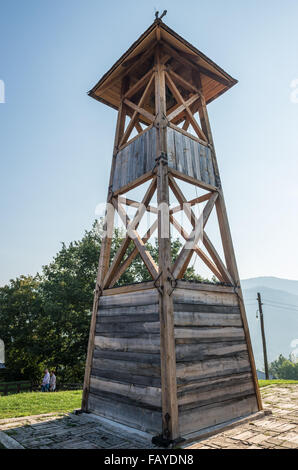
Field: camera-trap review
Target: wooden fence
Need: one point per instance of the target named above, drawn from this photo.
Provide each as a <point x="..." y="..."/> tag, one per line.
<point x="15" y="387"/>
<point x="27" y="386"/>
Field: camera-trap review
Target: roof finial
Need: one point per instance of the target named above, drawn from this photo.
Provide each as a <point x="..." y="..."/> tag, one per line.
<point x="161" y="16"/>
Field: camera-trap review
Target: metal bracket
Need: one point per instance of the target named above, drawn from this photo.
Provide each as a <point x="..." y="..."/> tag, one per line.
<point x="235" y="288"/>
<point x="166" y="431"/>
<point x="98" y="291"/>
<point x="163" y="440"/>
<point x="157" y="284"/>
<point x="163" y="159"/>
<point x="81" y="411"/>
<point x="172" y="281"/>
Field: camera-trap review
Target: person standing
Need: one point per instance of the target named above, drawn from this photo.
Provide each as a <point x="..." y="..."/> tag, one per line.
<point x="45" y="386"/>
<point x="52" y="381"/>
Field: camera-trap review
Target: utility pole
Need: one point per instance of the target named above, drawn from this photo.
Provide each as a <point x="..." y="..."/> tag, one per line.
<point x="263" y="335"/>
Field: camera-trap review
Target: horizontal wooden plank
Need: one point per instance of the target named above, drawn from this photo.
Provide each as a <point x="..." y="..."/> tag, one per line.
<point x="205" y="297"/>
<point x="139" y="394"/>
<point x="211" y="350"/>
<point x="218" y="413"/>
<point x="133" y="328"/>
<point x="215" y="394"/>
<point x="206" y="308"/>
<point x="197" y="333"/>
<point x="199" y="286"/>
<point x="128" y="334"/>
<point x="134" y="368"/>
<point x="191" y="372"/>
<point x="206" y="319"/>
<point x="140" y="286"/>
<point x="127" y="356"/>
<point x="123" y="377"/>
<point x="126" y="400"/>
<point x="126" y="318"/>
<point x="149" y="345"/>
<point x="136" y="310"/>
<point x="150" y="322"/>
<point x="213" y="383"/>
<point x="146" y="297"/>
<point x="134" y="416"/>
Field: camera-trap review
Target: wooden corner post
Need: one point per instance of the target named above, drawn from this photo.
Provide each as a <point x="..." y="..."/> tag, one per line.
<point x="105" y="251"/>
<point x="166" y="310"/>
<point x="227" y="242"/>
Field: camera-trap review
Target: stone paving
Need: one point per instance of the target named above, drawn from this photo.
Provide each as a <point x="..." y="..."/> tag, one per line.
<point x="70" y="431"/>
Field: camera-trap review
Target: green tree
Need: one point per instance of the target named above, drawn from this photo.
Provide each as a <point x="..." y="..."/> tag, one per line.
<point x="284" y="368"/>
<point x="44" y="320"/>
<point x="21" y="313"/>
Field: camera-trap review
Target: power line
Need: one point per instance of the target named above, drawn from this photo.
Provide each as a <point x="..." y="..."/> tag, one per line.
<point x="281" y="307"/>
<point x="281" y="303"/>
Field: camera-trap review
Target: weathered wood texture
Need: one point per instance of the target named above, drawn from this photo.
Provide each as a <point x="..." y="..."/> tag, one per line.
<point x="213" y="373"/>
<point x="214" y="379"/>
<point x="125" y="379"/>
<point x="136" y="159"/>
<point x="185" y="155"/>
<point x="190" y="157"/>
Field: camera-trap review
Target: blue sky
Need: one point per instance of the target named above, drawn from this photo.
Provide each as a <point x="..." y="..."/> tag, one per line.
<point x="56" y="142"/>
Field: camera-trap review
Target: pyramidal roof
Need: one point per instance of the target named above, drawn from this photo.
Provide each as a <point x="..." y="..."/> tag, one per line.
<point x="137" y="60"/>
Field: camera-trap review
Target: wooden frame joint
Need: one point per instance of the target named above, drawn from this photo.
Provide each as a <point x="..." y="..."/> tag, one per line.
<point x="157" y="284"/>
<point x="163" y="159"/>
<point x="172" y="280"/>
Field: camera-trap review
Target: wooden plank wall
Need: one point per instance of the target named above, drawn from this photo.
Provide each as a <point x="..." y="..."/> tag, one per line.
<point x="214" y="380"/>
<point x="125" y="379"/>
<point x="135" y="159"/>
<point x="184" y="155"/>
<point x="190" y="157"/>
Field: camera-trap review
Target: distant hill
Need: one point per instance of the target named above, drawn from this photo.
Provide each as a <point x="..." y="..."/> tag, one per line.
<point x="280" y="298"/>
<point x="272" y="283"/>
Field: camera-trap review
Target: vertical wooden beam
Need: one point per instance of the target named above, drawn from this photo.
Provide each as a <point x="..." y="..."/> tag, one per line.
<point x="166" y="309"/>
<point x="105" y="251"/>
<point x="227" y="240"/>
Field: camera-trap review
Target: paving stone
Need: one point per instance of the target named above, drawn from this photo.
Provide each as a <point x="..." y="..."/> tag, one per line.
<point x="244" y="435"/>
<point x="289" y="445"/>
<point x="291" y="437"/>
<point x="258" y="439"/>
<point x="285" y="427"/>
<point x="234" y="431"/>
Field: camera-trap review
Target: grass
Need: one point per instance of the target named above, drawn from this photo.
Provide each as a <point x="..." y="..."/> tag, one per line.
<point x="264" y="383"/>
<point x="35" y="403"/>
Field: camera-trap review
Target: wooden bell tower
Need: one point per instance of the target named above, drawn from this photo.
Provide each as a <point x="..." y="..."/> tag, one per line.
<point x="167" y="356"/>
